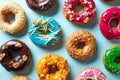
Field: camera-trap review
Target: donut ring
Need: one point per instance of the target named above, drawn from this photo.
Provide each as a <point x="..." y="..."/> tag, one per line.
<point x="7" y="8"/>
<point x="8" y="49"/>
<point x="40" y="5"/>
<point x="105" y="27"/>
<point x="82" y="17"/>
<point x="81" y="45"/>
<point x="52" y="62"/>
<point x="20" y="78"/>
<point x="91" y="74"/>
<point x="45" y="31"/>
<point x="110" y="60"/>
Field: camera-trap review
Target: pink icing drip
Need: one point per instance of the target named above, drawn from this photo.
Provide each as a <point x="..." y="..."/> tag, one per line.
<point x="69" y="6"/>
<point x="107" y="16"/>
<point x="91" y="73"/>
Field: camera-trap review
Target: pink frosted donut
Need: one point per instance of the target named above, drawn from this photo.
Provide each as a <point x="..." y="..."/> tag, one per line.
<point x="107" y="30"/>
<point x="91" y="74"/>
<point x="79" y="18"/>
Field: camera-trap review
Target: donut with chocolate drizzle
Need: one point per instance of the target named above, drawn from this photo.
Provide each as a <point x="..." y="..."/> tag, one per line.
<point x="7" y="51"/>
<point x="40" y="5"/>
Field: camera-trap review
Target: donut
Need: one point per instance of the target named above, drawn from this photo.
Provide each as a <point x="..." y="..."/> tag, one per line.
<point x="111" y="60"/>
<point x="8" y="49"/>
<point x="40" y="5"/>
<point x="45" y="31"/>
<point x="109" y="32"/>
<point x="52" y="67"/>
<point x="82" y="17"/>
<point x="81" y="45"/>
<point x="91" y="74"/>
<point x="20" y="78"/>
<point x="7" y="8"/>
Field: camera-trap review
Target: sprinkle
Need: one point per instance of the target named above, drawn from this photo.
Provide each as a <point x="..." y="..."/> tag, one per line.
<point x="90" y="5"/>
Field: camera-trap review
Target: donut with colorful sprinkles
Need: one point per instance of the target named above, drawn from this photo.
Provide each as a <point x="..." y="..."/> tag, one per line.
<point x="45" y="31"/>
<point x="111" y="59"/>
<point x="82" y="17"/>
<point x="109" y="32"/>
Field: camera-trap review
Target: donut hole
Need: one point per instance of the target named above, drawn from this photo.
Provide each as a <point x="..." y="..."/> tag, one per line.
<point x="117" y="60"/>
<point x="81" y="45"/>
<point x="114" y="23"/>
<point x="52" y="69"/>
<point x="15" y="55"/>
<point x="79" y="9"/>
<point x="10" y="18"/>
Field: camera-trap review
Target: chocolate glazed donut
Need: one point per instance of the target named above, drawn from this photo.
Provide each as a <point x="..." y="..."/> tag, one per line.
<point x="7" y="60"/>
<point x="40" y="5"/>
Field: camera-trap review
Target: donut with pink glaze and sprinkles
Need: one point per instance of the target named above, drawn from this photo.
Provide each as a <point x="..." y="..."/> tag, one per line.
<point x="81" y="17"/>
<point x="91" y="74"/>
<point x="110" y="32"/>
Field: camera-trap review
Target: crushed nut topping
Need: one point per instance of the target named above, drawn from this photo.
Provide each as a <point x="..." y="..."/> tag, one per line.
<point x="24" y="57"/>
<point x="35" y="23"/>
<point x="15" y="65"/>
<point x="6" y="46"/>
<point x="2" y="56"/>
<point x="18" y="45"/>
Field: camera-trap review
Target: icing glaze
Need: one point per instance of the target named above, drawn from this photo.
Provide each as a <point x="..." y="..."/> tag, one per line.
<point x="40" y="5"/>
<point x="54" y="62"/>
<point x="7" y="60"/>
<point x="82" y="17"/>
<point x="105" y="27"/>
<point x="91" y="74"/>
<point x="45" y="31"/>
<point x="109" y="60"/>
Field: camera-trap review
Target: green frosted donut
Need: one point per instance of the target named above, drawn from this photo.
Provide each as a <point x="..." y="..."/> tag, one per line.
<point x="112" y="60"/>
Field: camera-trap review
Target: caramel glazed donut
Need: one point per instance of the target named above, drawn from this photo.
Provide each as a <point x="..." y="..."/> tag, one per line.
<point x="7" y="60"/>
<point x="81" y="45"/>
<point x="8" y="8"/>
<point x="52" y="67"/>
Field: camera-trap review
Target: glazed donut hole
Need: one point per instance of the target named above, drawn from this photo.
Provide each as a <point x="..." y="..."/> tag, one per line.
<point x="52" y="68"/>
<point x="117" y="60"/>
<point x="114" y="23"/>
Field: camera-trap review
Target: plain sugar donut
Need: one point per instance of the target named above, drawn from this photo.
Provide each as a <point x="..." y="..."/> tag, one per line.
<point x="7" y="8"/>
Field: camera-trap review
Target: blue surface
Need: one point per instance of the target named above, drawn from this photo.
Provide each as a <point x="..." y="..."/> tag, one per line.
<point x="59" y="49"/>
<point x="43" y="39"/>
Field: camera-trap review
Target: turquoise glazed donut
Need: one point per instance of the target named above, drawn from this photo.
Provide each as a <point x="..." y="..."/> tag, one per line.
<point x="45" y="31"/>
<point x="112" y="60"/>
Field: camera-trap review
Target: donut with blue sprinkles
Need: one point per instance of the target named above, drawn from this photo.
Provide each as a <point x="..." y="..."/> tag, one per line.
<point x="45" y="31"/>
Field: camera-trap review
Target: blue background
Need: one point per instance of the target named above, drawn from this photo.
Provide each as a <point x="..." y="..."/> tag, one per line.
<point x="59" y="49"/>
